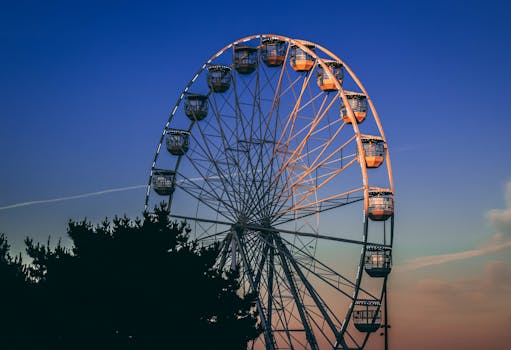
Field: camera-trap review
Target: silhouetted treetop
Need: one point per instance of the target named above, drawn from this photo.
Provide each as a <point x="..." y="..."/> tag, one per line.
<point x="133" y="284"/>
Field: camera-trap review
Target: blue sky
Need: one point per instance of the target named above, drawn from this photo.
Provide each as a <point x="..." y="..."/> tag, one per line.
<point x="85" y="88"/>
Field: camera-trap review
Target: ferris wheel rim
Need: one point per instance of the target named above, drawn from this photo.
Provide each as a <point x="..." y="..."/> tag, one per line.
<point x="303" y="45"/>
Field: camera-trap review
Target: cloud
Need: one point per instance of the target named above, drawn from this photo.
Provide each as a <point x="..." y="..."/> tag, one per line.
<point x="499" y="219"/>
<point x="483" y="293"/>
<point x="446" y="258"/>
<point x="461" y="312"/>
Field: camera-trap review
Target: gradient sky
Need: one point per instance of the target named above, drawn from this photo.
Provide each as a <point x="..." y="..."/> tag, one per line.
<point x="85" y="88"/>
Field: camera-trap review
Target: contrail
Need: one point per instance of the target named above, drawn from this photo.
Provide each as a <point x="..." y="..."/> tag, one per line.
<point x="92" y="194"/>
<point x="78" y="196"/>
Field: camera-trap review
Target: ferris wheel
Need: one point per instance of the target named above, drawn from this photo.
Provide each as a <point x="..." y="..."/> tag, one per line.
<point x="275" y="151"/>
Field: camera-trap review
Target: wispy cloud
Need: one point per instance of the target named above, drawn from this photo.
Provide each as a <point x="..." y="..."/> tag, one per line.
<point x="446" y="258"/>
<point x="78" y="196"/>
<point x="499" y="219"/>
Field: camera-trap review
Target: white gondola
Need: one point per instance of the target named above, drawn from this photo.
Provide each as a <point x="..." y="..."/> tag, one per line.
<point x="245" y="59"/>
<point x="273" y="52"/>
<point x="374" y="150"/>
<point x="326" y="81"/>
<point x="219" y="78"/>
<point x="378" y="261"/>
<point x="366" y="316"/>
<point x="381" y="205"/>
<point x="358" y="104"/>
<point x="177" y="141"/>
<point x="300" y="60"/>
<point x="163" y="181"/>
<point x="196" y="106"/>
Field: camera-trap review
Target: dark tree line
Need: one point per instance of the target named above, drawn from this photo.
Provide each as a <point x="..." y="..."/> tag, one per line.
<point x="123" y="284"/>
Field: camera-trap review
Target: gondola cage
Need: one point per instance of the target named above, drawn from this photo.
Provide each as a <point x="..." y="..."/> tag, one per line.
<point x="245" y="59"/>
<point x="381" y="205"/>
<point x="358" y="104"/>
<point x="366" y="315"/>
<point x="196" y="106"/>
<point x="273" y="52"/>
<point x="378" y="261"/>
<point x="219" y="78"/>
<point x="374" y="150"/>
<point x="326" y="81"/>
<point x="300" y="60"/>
<point x="178" y="141"/>
<point x="163" y="181"/>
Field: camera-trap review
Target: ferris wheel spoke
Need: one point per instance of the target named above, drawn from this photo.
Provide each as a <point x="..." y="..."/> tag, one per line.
<point x="274" y="179"/>
<point x="287" y="188"/>
<point x="191" y="185"/>
<point x="297" y="205"/>
<point x="318" y="160"/>
<point x="249" y="142"/>
<point x="325" y="280"/>
<point x="309" y="207"/>
<point x="328" y="270"/>
<point x="243" y="124"/>
<point x="257" y="203"/>
<point x="313" y="235"/>
<point x="207" y="163"/>
<point x="309" y="129"/>
<point x="290" y="125"/>
<point x="318" y="208"/>
<point x="213" y="235"/>
<point x="312" y="292"/>
<point x="254" y="249"/>
<point x="271" y="298"/>
<point x="286" y="311"/>
<point x="194" y="218"/>
<point x="225" y="174"/>
<point x="278" y="93"/>
<point x="282" y="321"/>
<point x="293" y="163"/>
<point x="309" y="126"/>
<point x="304" y="317"/>
<point x="323" y="147"/>
<point x="269" y="284"/>
<point x="198" y="197"/>
<point x="224" y="250"/>
<point x="334" y="284"/>
<point x="231" y="143"/>
<point x="260" y="267"/>
<point x="267" y="329"/>
<point x="265" y="289"/>
<point x="241" y="142"/>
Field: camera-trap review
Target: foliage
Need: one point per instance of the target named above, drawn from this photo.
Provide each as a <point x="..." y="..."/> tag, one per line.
<point x="127" y="284"/>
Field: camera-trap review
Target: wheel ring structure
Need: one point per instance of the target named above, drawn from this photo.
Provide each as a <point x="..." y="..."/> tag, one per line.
<point x="295" y="274"/>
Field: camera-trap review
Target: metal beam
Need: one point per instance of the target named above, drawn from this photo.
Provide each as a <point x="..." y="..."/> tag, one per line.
<point x="311" y="339"/>
<point x="311" y="290"/>
<point x="268" y="337"/>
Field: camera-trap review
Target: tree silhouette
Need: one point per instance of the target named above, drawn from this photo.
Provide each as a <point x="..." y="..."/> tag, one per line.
<point x="138" y="284"/>
<point x="15" y="300"/>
